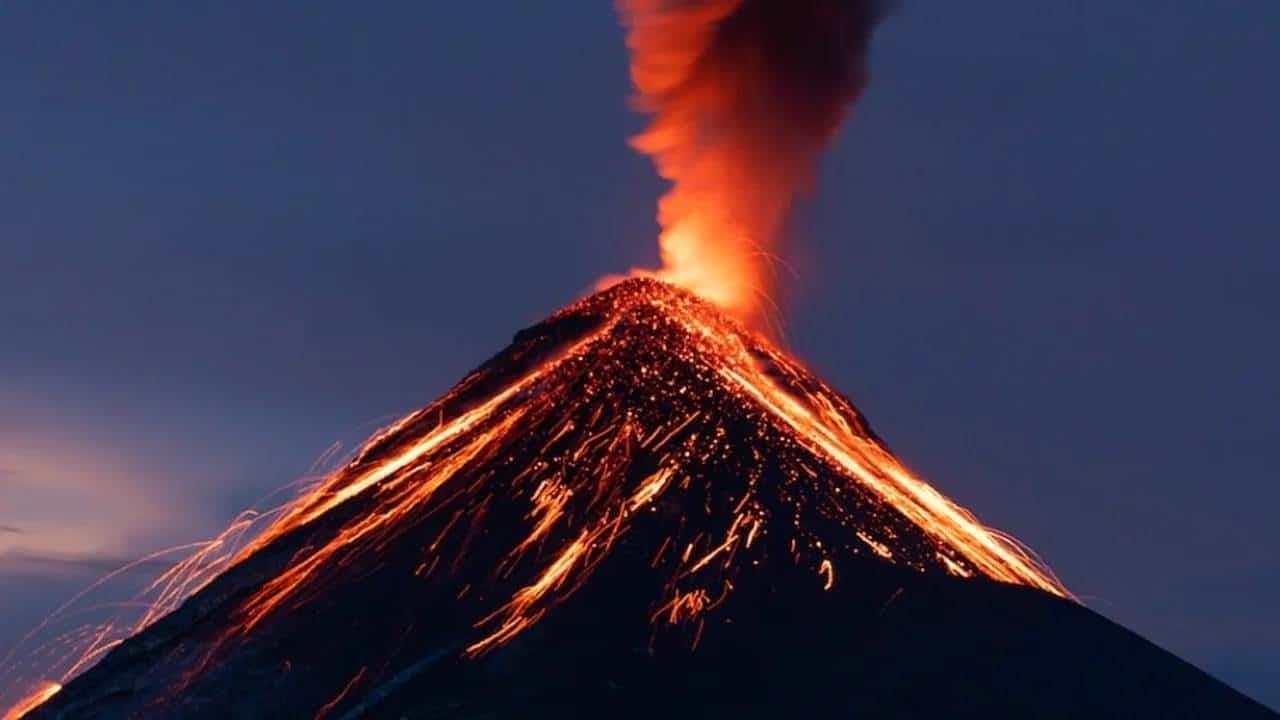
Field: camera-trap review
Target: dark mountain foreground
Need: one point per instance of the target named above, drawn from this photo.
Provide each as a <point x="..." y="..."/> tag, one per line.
<point x="636" y="510"/>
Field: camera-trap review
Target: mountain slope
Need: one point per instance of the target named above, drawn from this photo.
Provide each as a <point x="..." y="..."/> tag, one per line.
<point x="637" y="508"/>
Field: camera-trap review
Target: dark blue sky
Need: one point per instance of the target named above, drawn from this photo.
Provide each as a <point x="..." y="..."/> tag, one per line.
<point x="1042" y="260"/>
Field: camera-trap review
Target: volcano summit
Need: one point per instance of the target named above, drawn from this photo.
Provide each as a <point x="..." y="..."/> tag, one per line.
<point x="638" y="509"/>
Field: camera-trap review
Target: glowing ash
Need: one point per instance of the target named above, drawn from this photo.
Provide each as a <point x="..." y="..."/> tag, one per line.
<point x="745" y="95"/>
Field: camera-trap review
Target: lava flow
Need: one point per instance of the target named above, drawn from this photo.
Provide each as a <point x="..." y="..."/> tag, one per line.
<point x="34" y="698"/>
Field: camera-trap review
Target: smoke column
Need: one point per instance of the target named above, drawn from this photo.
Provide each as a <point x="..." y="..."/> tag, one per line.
<point x="745" y="95"/>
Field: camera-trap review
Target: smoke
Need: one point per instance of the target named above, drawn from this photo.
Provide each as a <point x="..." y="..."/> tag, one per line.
<point x="745" y="95"/>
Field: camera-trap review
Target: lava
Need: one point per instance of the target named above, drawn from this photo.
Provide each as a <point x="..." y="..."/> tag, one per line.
<point x="38" y="696"/>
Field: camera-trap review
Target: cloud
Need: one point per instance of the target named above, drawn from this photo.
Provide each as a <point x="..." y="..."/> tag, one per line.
<point x="10" y="530"/>
<point x="21" y="562"/>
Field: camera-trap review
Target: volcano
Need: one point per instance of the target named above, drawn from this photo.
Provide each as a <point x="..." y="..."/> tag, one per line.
<point x="638" y="509"/>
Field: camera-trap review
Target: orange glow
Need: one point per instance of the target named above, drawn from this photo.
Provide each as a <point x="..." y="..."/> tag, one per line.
<point x="744" y="97"/>
<point x="828" y="571"/>
<point x="38" y="696"/>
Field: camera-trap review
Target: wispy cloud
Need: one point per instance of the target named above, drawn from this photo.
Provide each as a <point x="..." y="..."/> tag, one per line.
<point x="35" y="563"/>
<point x="10" y="530"/>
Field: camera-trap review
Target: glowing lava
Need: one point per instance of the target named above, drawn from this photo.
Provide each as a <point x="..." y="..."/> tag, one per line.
<point x="37" y="697"/>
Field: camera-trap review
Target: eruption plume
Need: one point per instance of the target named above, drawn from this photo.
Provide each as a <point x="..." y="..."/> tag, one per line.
<point x="745" y="94"/>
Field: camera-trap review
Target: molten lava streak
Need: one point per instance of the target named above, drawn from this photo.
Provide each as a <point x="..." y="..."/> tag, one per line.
<point x="745" y="95"/>
<point x="37" y="697"/>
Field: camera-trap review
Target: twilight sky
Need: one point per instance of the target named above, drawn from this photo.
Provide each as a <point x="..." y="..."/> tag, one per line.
<point x="1043" y="261"/>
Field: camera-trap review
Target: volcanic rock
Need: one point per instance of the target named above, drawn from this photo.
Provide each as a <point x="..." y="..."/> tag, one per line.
<point x="637" y="510"/>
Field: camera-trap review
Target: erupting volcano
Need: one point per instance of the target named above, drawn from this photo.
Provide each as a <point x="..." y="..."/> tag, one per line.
<point x="643" y="507"/>
<point x="638" y="507"/>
